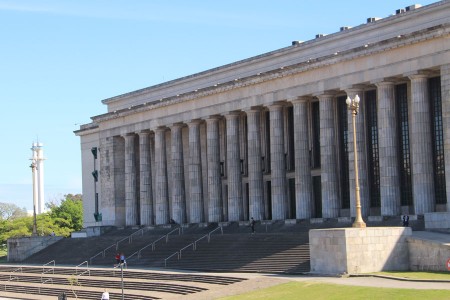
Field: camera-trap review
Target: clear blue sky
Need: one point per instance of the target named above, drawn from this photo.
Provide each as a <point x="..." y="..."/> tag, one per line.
<point x="60" y="58"/>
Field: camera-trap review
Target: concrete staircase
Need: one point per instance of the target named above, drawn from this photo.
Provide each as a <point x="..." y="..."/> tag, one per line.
<point x="47" y="283"/>
<point x="276" y="247"/>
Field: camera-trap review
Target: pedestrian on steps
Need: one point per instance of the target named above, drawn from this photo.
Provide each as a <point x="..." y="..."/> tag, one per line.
<point x="252" y="224"/>
<point x="105" y="295"/>
<point x="117" y="257"/>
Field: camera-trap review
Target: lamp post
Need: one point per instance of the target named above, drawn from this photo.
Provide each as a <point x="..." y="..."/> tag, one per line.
<point x="33" y="171"/>
<point x="353" y="106"/>
<point x="121" y="277"/>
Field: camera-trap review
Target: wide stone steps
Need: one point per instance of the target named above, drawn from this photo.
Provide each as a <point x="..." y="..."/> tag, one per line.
<point x="87" y="281"/>
<point x="27" y="283"/>
<point x="271" y="253"/>
<point x="129" y="274"/>
<point x="21" y="291"/>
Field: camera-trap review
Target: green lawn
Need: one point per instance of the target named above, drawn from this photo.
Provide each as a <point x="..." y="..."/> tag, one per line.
<point x="321" y="291"/>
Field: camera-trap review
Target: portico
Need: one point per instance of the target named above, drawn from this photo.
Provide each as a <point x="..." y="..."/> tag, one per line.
<point x="269" y="137"/>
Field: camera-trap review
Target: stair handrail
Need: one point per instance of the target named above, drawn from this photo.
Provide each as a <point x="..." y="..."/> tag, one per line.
<point x="107" y="248"/>
<point x="153" y="244"/>
<point x="165" y="261"/>
<point x="194" y="244"/>
<point x="84" y="272"/>
<point x="12" y="277"/>
<point x="52" y="269"/>
<point x="141" y="231"/>
<point x="103" y="253"/>
<point x="44" y="282"/>
<point x="129" y="237"/>
<point x="92" y="257"/>
<point x="212" y="231"/>
<point x="185" y="247"/>
<point x="198" y="240"/>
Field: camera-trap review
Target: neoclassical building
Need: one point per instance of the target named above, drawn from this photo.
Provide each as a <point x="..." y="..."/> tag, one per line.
<point x="271" y="136"/>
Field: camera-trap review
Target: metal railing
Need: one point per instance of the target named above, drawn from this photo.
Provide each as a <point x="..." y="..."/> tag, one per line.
<point x="193" y="244"/>
<point x="153" y="244"/>
<point x="184" y="248"/>
<point x="165" y="261"/>
<point x="116" y="244"/>
<point x="130" y="237"/>
<point x="45" y="270"/>
<point x="85" y="271"/>
<point x="12" y="275"/>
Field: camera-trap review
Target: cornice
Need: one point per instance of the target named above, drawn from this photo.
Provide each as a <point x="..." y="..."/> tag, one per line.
<point x="309" y="64"/>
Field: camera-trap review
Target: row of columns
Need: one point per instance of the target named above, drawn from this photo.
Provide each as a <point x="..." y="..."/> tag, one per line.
<point x="233" y="170"/>
<point x="421" y="156"/>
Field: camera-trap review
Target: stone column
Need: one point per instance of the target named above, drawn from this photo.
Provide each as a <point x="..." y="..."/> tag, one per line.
<point x="178" y="193"/>
<point x="362" y="156"/>
<point x="422" y="174"/>
<point x="328" y="157"/>
<point x="146" y="199"/>
<point x="255" y="175"/>
<point x="214" y="180"/>
<point x="162" y="194"/>
<point x="278" y="163"/>
<point x="388" y="149"/>
<point x="235" y="209"/>
<point x="195" y="173"/>
<point x="130" y="181"/>
<point x="445" y="94"/>
<point x="303" y="180"/>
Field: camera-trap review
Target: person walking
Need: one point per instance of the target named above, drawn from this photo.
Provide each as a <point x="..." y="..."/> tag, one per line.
<point x="105" y="295"/>
<point x="117" y="257"/>
<point x="252" y="224"/>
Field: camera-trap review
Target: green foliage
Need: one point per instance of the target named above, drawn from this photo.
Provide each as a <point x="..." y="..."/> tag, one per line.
<point x="69" y="214"/>
<point x="62" y="219"/>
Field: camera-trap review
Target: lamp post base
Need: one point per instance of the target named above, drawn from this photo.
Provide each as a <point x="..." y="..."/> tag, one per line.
<point x="359" y="224"/>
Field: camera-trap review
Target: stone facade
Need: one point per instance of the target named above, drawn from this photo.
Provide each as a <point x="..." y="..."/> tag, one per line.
<point x="270" y="136"/>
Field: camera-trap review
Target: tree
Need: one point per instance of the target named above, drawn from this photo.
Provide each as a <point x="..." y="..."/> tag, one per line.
<point x="69" y="214"/>
<point x="9" y="211"/>
<point x="62" y="219"/>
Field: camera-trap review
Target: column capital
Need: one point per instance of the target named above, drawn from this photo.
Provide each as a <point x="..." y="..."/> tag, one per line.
<point x="212" y="120"/>
<point x="418" y="74"/>
<point x="160" y="129"/>
<point x="128" y="134"/>
<point x="254" y="109"/>
<point x="325" y="95"/>
<point x="354" y="90"/>
<point x="276" y="106"/>
<point x="232" y="115"/>
<point x="300" y="99"/>
<point x="144" y="132"/>
<point x="177" y="125"/>
<point x="195" y="122"/>
<point x="383" y="82"/>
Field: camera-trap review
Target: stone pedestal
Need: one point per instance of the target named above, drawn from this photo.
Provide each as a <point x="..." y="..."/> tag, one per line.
<point x="359" y="250"/>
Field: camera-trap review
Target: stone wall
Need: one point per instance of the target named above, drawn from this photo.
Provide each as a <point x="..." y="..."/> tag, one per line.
<point x="437" y="220"/>
<point x="356" y="250"/>
<point x="425" y="255"/>
<point x="21" y="248"/>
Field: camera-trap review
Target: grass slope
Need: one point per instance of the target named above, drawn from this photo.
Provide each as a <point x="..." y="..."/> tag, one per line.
<point x="320" y="291"/>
